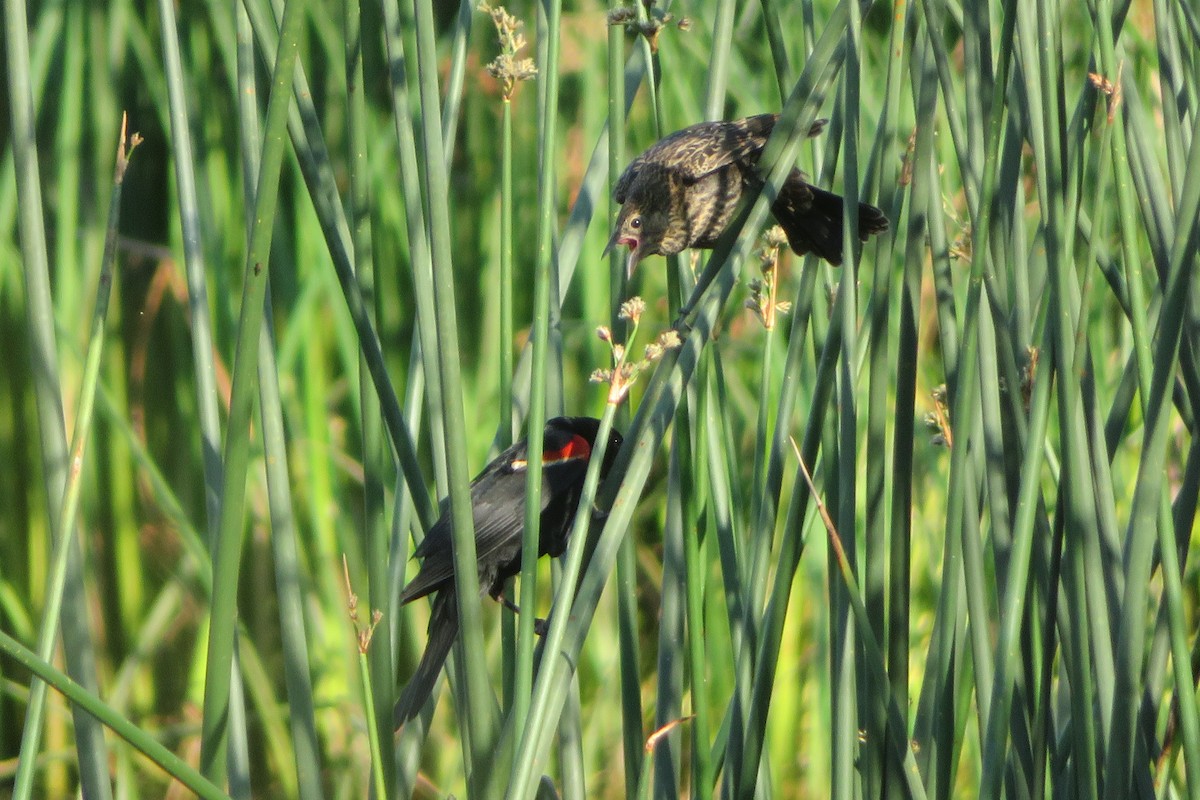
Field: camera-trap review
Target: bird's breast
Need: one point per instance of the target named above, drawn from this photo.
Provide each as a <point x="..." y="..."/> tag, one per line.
<point x="711" y="204"/>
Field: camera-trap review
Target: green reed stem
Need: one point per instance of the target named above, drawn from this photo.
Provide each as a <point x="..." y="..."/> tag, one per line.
<point x="89" y="737"/>
<point x="103" y="714"/>
<point x="227" y="548"/>
<point x="69" y="508"/>
<point x="480" y="721"/>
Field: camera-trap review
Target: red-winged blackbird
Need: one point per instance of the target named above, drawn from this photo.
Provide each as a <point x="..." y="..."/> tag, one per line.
<point x="498" y="508"/>
<point x="684" y="191"/>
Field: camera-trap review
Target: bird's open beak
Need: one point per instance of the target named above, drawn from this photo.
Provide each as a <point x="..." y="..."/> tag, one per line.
<point x="634" y="245"/>
<point x="612" y="242"/>
<point x="635" y="255"/>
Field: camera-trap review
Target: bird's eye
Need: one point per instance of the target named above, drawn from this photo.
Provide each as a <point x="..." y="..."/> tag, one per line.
<point x="635" y="223"/>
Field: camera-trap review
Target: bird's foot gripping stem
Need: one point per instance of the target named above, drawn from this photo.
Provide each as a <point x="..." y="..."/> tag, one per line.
<point x="540" y="626"/>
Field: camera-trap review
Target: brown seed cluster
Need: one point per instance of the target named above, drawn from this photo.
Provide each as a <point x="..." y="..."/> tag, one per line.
<point x="507" y="67"/>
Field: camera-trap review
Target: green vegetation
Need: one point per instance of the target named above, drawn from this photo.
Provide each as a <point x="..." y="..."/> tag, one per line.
<point x="350" y="243"/>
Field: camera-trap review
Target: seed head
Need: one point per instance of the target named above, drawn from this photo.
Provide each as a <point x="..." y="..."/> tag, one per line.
<point x="650" y="26"/>
<point x="624" y="373"/>
<point x="632" y="309"/>
<point x="507" y="67"/>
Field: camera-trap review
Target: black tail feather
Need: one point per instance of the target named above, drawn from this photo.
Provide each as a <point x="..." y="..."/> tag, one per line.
<point x="443" y="630"/>
<point x="812" y="219"/>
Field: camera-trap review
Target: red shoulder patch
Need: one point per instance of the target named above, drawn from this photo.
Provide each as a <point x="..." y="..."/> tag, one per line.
<point x="576" y="447"/>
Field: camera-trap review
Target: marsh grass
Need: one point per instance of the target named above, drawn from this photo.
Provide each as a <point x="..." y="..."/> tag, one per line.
<point x="983" y="591"/>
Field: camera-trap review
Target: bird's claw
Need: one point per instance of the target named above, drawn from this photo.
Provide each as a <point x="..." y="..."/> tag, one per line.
<point x="540" y="626"/>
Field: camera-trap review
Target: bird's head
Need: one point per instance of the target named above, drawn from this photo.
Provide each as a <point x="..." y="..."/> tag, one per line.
<point x="644" y="223"/>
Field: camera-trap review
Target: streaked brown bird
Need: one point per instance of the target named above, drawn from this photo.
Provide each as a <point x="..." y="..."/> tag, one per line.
<point x="684" y="191"/>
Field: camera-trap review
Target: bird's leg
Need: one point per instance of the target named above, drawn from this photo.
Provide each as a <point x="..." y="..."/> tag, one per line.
<point x="540" y="626"/>
<point x="509" y="604"/>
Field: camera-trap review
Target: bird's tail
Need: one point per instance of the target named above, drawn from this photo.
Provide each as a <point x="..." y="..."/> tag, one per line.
<point x="443" y="630"/>
<point x="812" y="219"/>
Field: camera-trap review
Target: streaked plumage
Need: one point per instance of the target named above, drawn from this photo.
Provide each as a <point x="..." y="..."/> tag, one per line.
<point x="684" y="190"/>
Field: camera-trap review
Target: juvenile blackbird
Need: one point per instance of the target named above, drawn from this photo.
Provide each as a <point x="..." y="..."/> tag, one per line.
<point x="498" y="508"/>
<point x="684" y="190"/>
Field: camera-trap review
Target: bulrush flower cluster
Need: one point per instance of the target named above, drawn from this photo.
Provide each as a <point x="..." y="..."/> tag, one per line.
<point x="624" y="373"/>
<point x="939" y="418"/>
<point x="362" y="634"/>
<point x="507" y="67"/>
<point x="763" y="290"/>
<point x="651" y="26"/>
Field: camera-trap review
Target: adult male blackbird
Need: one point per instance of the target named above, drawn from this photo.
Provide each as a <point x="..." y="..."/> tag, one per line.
<point x="684" y="191"/>
<point x="498" y="508"/>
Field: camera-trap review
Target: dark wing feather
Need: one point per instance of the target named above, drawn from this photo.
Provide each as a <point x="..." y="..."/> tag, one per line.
<point x="435" y="570"/>
<point x="699" y="150"/>
<point x="706" y="147"/>
<point x="438" y="566"/>
<point x="495" y="514"/>
<point x="494" y="526"/>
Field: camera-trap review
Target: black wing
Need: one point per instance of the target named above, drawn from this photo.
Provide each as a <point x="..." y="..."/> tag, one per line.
<point x="436" y="550"/>
<point x="498" y="511"/>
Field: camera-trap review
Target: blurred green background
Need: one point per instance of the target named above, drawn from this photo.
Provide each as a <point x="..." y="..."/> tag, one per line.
<point x="1004" y="417"/>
